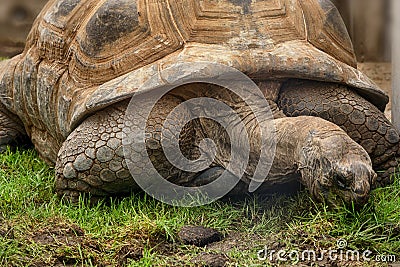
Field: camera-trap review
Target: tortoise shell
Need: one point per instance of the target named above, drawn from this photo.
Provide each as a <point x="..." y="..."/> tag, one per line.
<point x="82" y="55"/>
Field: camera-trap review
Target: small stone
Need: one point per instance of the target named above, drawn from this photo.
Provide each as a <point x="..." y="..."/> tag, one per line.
<point x="198" y="235"/>
<point x="96" y="169"/>
<point x="368" y="145"/>
<point x="120" y="151"/>
<point x="61" y="184"/>
<point x="210" y="260"/>
<point x="382" y="129"/>
<point x="372" y="124"/>
<point x="82" y="186"/>
<point x="392" y="136"/>
<point x="93" y="180"/>
<point x="346" y="108"/>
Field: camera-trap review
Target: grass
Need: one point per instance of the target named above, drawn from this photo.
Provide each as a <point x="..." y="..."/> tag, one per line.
<point x="37" y="229"/>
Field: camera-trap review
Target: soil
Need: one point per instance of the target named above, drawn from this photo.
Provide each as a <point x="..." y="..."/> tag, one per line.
<point x="210" y="260"/>
<point x="198" y="235"/>
<point x="61" y="242"/>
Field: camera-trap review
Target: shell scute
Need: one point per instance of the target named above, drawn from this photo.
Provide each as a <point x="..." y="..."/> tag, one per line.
<point x="59" y="13"/>
<point x="327" y="31"/>
<point x="111" y="21"/>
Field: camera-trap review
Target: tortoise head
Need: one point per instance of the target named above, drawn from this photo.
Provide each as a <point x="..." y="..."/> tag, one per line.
<point x="337" y="170"/>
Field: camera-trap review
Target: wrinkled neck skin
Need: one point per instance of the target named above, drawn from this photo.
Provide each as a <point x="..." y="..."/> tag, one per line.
<point x="226" y="137"/>
<point x="289" y="134"/>
<point x="310" y="149"/>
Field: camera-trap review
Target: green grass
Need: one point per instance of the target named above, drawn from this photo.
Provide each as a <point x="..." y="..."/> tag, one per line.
<point x="37" y="229"/>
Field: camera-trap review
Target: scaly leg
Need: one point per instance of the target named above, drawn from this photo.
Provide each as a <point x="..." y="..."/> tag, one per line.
<point x="92" y="161"/>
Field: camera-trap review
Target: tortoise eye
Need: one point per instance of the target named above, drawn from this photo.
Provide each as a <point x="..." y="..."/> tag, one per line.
<point x="341" y="181"/>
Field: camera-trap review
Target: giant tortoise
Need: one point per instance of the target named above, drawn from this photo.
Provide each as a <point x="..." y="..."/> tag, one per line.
<point x="84" y="59"/>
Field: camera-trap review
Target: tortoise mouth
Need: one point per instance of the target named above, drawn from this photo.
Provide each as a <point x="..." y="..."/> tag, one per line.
<point x="337" y="196"/>
<point x="350" y="187"/>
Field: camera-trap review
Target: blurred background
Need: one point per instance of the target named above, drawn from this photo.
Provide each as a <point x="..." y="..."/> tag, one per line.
<point x="367" y="22"/>
<point x="16" y="18"/>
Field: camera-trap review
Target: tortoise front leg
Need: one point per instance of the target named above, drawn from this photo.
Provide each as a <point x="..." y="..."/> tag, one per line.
<point x="362" y="121"/>
<point x="92" y="160"/>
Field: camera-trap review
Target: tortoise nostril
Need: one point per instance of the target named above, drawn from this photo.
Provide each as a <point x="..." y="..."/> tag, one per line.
<point x="359" y="191"/>
<point x="361" y="188"/>
<point x="357" y="177"/>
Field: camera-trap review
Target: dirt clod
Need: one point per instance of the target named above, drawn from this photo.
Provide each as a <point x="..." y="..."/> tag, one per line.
<point x="129" y="252"/>
<point x="60" y="234"/>
<point x="210" y="260"/>
<point x="198" y="235"/>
